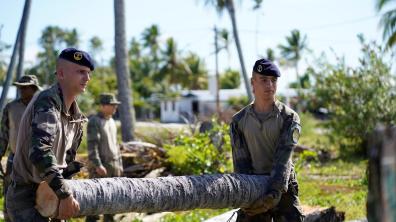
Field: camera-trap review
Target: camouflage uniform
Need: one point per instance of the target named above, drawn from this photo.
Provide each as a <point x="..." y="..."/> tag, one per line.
<point x="11" y="117"/>
<point x="46" y="148"/>
<point x="264" y="145"/>
<point x="103" y="149"/>
<point x="12" y="114"/>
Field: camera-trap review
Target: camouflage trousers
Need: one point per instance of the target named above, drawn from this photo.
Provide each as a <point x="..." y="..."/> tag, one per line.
<point x="6" y="183"/>
<point x="287" y="210"/>
<point x="20" y="203"/>
<point x="113" y="170"/>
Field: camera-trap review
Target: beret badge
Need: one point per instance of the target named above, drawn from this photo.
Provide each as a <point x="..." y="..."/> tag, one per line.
<point x="259" y="68"/>
<point x="78" y="56"/>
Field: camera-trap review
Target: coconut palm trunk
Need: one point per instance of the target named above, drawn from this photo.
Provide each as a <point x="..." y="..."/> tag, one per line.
<point x="21" y="58"/>
<point x="231" y="11"/>
<point x="120" y="195"/>
<point x="126" y="110"/>
<point x="17" y="45"/>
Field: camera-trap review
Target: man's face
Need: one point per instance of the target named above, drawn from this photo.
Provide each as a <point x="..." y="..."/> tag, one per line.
<point x="109" y="109"/>
<point x="27" y="92"/>
<point x="75" y="77"/>
<point x="264" y="87"/>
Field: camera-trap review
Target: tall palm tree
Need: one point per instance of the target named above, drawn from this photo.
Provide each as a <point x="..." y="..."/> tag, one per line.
<point x="295" y="46"/>
<point x="151" y="40"/>
<point x="17" y="45"/>
<point x="26" y="12"/>
<point x="388" y="22"/>
<point x="126" y="109"/>
<point x="228" y="5"/>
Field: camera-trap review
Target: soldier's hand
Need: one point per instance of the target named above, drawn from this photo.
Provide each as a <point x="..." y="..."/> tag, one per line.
<point x="101" y="171"/>
<point x="262" y="205"/>
<point x="68" y="208"/>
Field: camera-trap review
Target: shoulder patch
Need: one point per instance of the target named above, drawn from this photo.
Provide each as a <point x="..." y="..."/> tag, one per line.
<point x="295" y="133"/>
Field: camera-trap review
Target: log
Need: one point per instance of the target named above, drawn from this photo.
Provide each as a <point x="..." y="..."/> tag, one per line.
<point x="121" y="195"/>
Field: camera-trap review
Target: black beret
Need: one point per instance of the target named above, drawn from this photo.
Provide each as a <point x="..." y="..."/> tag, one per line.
<point x="77" y="56"/>
<point x="266" y="67"/>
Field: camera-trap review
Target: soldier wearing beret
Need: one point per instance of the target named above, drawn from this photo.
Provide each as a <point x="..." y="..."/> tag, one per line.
<point x="49" y="134"/>
<point x="263" y="136"/>
<point x="27" y="85"/>
<point x="103" y="151"/>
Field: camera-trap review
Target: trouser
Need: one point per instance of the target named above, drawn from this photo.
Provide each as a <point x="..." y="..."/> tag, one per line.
<point x="113" y="170"/>
<point x="287" y="210"/>
<point x="6" y="183"/>
<point x="20" y="203"/>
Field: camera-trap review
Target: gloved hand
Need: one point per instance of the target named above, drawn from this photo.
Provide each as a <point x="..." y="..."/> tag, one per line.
<point x="262" y="205"/>
<point x="72" y="169"/>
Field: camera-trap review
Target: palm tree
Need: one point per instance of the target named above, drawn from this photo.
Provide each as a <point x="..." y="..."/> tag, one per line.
<point x="26" y="12"/>
<point x="96" y="46"/>
<point x="121" y="195"/>
<point x="228" y="5"/>
<point x="388" y="22"/>
<point x="18" y="42"/>
<point x="197" y="78"/>
<point x="294" y="48"/>
<point x="126" y="109"/>
<point x="151" y="40"/>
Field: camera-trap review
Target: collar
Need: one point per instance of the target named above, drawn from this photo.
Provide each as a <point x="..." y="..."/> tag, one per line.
<point x="74" y="113"/>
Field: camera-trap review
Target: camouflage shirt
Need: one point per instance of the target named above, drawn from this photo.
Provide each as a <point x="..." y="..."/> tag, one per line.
<point x="47" y="141"/>
<point x="12" y="115"/>
<point x="265" y="145"/>
<point x="102" y="141"/>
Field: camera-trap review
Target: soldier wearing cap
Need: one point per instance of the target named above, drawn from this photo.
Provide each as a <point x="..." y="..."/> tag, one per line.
<point x="263" y="136"/>
<point x="49" y="134"/>
<point x="103" y="151"/>
<point x="27" y="85"/>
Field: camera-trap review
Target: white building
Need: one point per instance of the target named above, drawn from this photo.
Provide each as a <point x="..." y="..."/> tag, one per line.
<point x="201" y="103"/>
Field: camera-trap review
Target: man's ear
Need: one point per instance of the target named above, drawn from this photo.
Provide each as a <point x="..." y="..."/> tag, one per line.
<point x="60" y="74"/>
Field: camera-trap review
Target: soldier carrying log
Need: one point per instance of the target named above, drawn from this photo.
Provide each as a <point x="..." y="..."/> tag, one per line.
<point x="49" y="135"/>
<point x="263" y="136"/>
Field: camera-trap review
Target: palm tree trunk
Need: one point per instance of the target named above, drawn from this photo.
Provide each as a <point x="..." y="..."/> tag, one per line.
<point x="26" y="13"/>
<point x="127" y="112"/>
<point x="217" y="72"/>
<point x="120" y="195"/>
<point x="9" y="74"/>
<point x="18" y="42"/>
<point x="231" y="11"/>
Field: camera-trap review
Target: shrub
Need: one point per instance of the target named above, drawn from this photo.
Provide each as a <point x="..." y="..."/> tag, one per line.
<point x="202" y="153"/>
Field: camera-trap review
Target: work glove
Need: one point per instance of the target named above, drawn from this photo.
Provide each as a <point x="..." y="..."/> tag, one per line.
<point x="262" y="205"/>
<point x="72" y="169"/>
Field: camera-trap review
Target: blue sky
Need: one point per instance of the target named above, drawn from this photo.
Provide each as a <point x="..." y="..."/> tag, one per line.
<point x="330" y="25"/>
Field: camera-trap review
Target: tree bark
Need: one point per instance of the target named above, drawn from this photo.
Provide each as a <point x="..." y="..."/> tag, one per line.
<point x="126" y="109"/>
<point x="23" y="27"/>
<point x="120" y="195"/>
<point x="231" y="11"/>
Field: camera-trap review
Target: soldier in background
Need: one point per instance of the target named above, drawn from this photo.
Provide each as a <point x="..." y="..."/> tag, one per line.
<point x="27" y="85"/>
<point x="49" y="135"/>
<point x="263" y="136"/>
<point x="103" y="151"/>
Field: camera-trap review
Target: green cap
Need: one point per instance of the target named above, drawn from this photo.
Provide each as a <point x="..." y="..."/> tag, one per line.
<point x="27" y="80"/>
<point x="108" y="99"/>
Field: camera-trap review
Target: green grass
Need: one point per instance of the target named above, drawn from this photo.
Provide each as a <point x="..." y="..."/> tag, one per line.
<point x="337" y="183"/>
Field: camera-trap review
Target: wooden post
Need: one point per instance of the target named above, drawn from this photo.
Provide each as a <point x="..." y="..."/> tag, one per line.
<point x="381" y="200"/>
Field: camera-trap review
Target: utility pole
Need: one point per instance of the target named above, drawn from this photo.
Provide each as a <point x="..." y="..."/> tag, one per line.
<point x="217" y="72"/>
